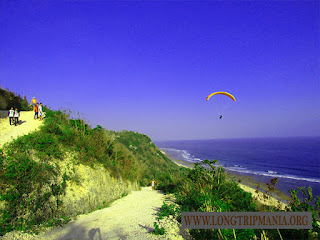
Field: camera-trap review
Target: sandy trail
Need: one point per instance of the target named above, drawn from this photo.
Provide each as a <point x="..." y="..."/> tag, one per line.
<point x="28" y="124"/>
<point x="131" y="217"/>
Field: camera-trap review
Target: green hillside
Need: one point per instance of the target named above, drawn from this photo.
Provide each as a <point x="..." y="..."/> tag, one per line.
<point x="9" y="99"/>
<point x="152" y="163"/>
<point x="68" y="168"/>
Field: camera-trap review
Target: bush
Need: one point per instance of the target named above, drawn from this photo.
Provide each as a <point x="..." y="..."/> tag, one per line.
<point x="158" y="230"/>
<point x="207" y="190"/>
<point x="9" y="99"/>
<point x="166" y="210"/>
<point x="26" y="187"/>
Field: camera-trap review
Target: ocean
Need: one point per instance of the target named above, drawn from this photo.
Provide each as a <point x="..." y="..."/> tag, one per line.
<point x="295" y="161"/>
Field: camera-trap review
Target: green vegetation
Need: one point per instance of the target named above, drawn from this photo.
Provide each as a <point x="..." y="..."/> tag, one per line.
<point x="33" y="181"/>
<point x="37" y="174"/>
<point x="166" y="210"/>
<point x="9" y="99"/>
<point x="308" y="204"/>
<point x="209" y="191"/>
<point x="152" y="163"/>
<point x="158" y="230"/>
<point x="206" y="189"/>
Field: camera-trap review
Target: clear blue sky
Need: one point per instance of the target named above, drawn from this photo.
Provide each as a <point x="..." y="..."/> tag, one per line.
<point x="148" y="66"/>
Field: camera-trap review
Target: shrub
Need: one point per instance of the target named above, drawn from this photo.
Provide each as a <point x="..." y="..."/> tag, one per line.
<point x="206" y="189"/>
<point x="166" y="210"/>
<point x="158" y="230"/>
<point x="9" y="99"/>
<point x="23" y="188"/>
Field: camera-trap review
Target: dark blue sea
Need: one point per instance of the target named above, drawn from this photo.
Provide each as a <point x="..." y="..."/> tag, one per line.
<point x="295" y="161"/>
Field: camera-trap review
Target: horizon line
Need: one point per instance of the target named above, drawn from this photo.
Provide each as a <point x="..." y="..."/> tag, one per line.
<point x="234" y="138"/>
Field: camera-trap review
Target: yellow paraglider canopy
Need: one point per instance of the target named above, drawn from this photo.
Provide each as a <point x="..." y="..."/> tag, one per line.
<point x="223" y="93"/>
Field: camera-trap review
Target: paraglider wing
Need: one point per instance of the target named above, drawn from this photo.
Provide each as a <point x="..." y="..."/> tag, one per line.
<point x="223" y="93"/>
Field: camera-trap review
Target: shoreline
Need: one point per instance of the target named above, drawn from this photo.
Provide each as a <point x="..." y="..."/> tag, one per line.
<point x="248" y="184"/>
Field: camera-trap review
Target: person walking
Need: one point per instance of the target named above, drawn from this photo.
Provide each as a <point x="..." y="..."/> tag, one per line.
<point x="40" y="112"/>
<point x="153" y="184"/>
<point x="11" y="115"/>
<point x="36" y="111"/>
<point x="16" y="117"/>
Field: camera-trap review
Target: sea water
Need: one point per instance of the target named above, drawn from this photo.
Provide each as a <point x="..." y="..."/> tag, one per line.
<point x="295" y="161"/>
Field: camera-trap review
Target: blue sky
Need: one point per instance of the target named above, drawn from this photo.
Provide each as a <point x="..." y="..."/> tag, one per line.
<point x="148" y="66"/>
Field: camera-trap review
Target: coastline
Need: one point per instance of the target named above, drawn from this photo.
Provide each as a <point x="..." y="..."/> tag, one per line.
<point x="248" y="184"/>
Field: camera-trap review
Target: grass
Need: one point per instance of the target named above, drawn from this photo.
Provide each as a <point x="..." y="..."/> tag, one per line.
<point x="33" y="182"/>
<point x="207" y="189"/>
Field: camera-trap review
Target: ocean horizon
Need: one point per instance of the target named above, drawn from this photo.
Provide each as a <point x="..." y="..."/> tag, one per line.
<point x="295" y="161"/>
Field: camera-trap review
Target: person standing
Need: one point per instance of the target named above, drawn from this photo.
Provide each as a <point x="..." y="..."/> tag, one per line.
<point x="11" y="115"/>
<point x="34" y="101"/>
<point x="40" y="112"/>
<point x="16" y="117"/>
<point x="36" y="111"/>
<point x="153" y="184"/>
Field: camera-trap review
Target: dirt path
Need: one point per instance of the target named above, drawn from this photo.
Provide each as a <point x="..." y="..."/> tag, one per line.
<point x="28" y="124"/>
<point x="131" y="217"/>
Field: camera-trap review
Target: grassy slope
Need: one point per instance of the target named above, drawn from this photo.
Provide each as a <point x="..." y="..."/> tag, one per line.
<point x="152" y="163"/>
<point x="68" y="168"/>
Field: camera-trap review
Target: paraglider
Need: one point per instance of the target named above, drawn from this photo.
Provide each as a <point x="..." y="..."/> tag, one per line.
<point x="221" y="93"/>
